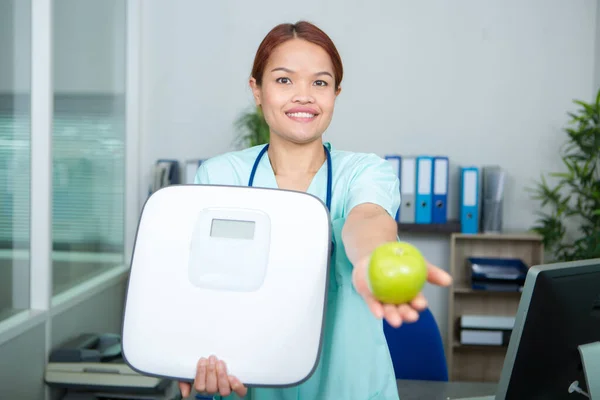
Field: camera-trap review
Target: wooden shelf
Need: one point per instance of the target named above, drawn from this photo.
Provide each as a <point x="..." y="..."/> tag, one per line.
<point x="447" y="228"/>
<point x="474" y="347"/>
<point x="464" y="287"/>
<point x="480" y="363"/>
<point x="516" y="236"/>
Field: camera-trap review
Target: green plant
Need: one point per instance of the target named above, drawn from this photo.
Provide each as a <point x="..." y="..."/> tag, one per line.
<point x="252" y="128"/>
<point x="571" y="227"/>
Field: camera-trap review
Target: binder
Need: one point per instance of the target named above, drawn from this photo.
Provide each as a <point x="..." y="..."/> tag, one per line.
<point x="469" y="200"/>
<point x="191" y="168"/>
<point x="408" y="179"/>
<point x="424" y="186"/>
<point x="439" y="213"/>
<point x="395" y="160"/>
<point x="165" y="173"/>
<point x="492" y="198"/>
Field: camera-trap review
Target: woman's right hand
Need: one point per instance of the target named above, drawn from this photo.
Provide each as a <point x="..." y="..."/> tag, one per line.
<point x="212" y="378"/>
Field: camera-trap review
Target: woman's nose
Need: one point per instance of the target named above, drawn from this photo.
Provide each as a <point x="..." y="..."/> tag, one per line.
<point x="303" y="95"/>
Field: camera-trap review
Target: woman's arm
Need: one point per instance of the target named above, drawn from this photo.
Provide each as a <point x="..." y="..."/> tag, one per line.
<point x="367" y="226"/>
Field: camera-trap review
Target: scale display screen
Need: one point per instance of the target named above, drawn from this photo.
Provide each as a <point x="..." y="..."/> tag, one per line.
<point x="232" y="229"/>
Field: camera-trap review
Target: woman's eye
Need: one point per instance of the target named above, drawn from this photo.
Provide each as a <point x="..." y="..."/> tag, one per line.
<point x="283" y="80"/>
<point x="321" y="83"/>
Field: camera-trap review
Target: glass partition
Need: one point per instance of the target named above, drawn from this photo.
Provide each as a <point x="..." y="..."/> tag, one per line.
<point x="88" y="140"/>
<point x="15" y="145"/>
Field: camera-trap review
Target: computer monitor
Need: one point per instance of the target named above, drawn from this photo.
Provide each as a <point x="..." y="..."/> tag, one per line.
<point x="559" y="311"/>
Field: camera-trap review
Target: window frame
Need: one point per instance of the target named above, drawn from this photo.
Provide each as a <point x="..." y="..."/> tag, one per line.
<point x="43" y="305"/>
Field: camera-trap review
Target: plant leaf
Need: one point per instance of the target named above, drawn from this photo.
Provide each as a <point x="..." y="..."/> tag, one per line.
<point x="574" y="198"/>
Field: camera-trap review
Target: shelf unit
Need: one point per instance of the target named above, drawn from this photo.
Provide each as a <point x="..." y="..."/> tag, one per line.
<point x="451" y="226"/>
<point x="473" y="362"/>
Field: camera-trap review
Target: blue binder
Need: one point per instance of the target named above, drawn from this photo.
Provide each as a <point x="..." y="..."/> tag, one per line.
<point x="396" y="161"/>
<point x="439" y="212"/>
<point x="469" y="200"/>
<point x="423" y="191"/>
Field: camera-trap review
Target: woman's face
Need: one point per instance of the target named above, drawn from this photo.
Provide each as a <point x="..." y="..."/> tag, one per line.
<point x="298" y="91"/>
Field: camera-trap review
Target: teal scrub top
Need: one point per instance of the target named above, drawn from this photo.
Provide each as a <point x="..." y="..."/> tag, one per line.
<point x="355" y="362"/>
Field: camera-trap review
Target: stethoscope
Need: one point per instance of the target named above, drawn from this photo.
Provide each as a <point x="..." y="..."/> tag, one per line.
<point x="329" y="178"/>
<point x="329" y="172"/>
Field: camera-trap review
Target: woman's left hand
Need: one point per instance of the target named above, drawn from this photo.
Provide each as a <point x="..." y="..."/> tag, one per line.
<point x="396" y="314"/>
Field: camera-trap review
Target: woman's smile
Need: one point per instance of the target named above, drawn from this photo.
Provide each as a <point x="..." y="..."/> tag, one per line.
<point x="302" y="114"/>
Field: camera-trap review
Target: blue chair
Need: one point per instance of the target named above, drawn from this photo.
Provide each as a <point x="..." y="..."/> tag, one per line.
<point x="417" y="349"/>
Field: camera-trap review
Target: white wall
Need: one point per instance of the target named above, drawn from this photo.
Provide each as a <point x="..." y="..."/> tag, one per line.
<point x="483" y="82"/>
<point x="597" y="52"/>
<point x="86" y="34"/>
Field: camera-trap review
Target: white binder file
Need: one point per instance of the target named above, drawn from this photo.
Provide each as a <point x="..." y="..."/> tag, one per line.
<point x="408" y="173"/>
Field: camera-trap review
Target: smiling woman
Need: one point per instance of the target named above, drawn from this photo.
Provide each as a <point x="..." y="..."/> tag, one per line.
<point x="296" y="79"/>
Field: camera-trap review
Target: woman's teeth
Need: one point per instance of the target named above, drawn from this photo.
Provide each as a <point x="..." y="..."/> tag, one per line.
<point x="301" y="115"/>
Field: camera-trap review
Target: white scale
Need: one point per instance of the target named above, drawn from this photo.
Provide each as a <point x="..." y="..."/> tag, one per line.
<point x="238" y="272"/>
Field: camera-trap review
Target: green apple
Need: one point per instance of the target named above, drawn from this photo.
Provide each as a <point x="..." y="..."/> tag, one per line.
<point x="397" y="272"/>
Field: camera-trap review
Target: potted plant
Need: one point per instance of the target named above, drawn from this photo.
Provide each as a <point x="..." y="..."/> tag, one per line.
<point x="570" y="227"/>
<point x="252" y="128"/>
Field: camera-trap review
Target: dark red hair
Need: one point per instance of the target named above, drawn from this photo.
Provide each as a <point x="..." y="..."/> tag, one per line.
<point x="302" y="30"/>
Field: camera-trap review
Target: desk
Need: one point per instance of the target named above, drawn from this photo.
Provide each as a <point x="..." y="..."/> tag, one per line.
<point x="433" y="390"/>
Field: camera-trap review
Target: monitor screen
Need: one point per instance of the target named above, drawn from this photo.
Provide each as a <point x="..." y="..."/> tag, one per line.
<point x="559" y="313"/>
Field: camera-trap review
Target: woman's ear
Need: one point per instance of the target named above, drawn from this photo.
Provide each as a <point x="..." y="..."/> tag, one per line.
<point x="338" y="91"/>
<point x="255" y="91"/>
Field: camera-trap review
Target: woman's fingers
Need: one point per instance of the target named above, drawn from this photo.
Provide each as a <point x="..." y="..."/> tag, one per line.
<point x="237" y="386"/>
<point x="407" y="313"/>
<point x="375" y="306"/>
<point x="392" y="315"/>
<point x="396" y="315"/>
<point x="211" y="375"/>
<point x="437" y="276"/>
<point x="185" y="389"/>
<point x="419" y="302"/>
<point x="200" y="381"/>
<point x="222" y="379"/>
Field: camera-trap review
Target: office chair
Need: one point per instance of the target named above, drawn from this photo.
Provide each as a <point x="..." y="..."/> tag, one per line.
<point x="417" y="349"/>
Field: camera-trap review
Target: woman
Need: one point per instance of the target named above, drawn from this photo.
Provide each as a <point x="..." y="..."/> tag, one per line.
<point x="295" y="80"/>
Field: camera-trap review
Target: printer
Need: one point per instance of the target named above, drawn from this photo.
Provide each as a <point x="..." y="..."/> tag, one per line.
<point x="90" y="366"/>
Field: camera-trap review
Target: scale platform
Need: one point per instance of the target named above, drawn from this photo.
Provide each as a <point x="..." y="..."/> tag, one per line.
<point x="236" y="272"/>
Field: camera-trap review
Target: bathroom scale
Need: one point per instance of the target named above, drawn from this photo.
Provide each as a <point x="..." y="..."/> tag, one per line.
<point x="232" y="271"/>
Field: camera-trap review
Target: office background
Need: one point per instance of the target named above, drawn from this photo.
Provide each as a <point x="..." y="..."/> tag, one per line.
<point x="483" y="82"/>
